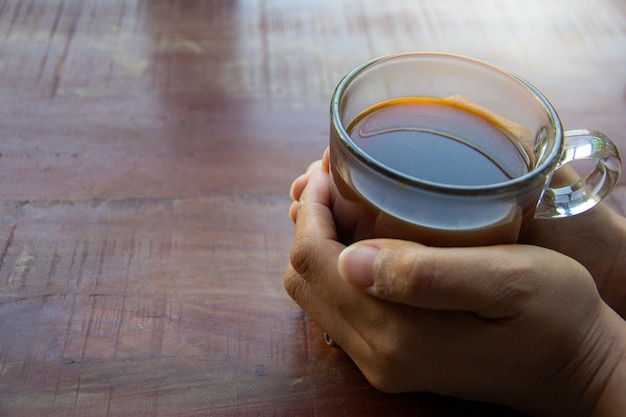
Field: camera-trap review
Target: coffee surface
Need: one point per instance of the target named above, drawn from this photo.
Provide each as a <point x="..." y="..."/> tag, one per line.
<point x="445" y="141"/>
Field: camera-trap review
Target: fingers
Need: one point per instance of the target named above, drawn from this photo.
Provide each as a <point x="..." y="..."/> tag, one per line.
<point x="314" y="240"/>
<point x="298" y="186"/>
<point x="311" y="278"/>
<point x="493" y="282"/>
<point x="300" y="182"/>
<point x="314" y="251"/>
<point x="314" y="207"/>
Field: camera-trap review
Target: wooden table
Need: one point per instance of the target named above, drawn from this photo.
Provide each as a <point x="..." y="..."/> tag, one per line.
<point x="146" y="151"/>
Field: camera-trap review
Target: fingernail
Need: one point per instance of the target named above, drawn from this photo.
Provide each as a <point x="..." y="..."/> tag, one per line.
<point x="357" y="264"/>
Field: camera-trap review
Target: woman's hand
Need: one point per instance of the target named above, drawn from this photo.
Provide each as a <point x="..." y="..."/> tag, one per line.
<point x="596" y="239"/>
<point x="517" y="325"/>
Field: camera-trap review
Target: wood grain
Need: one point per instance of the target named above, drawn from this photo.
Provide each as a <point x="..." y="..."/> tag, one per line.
<point x="146" y="151"/>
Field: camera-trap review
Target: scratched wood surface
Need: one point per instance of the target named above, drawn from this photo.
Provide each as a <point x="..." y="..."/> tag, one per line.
<point x="146" y="150"/>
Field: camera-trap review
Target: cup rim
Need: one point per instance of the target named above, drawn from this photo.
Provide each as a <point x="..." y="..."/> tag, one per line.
<point x="407" y="180"/>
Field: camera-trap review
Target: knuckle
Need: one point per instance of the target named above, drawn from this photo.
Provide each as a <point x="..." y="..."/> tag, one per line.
<point x="301" y="255"/>
<point x="386" y="368"/>
<point x="294" y="285"/>
<point x="515" y="284"/>
<point x="407" y="275"/>
<point x="380" y="371"/>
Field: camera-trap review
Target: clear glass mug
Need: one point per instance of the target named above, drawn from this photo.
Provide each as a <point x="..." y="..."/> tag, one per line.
<point x="372" y="197"/>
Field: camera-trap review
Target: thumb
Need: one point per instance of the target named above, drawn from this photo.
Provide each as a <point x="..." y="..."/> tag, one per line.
<point x="490" y="281"/>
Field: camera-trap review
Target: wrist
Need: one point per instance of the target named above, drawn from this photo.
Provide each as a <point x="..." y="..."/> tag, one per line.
<point x="611" y="401"/>
<point x="613" y="289"/>
<point x="597" y="240"/>
<point x="593" y="382"/>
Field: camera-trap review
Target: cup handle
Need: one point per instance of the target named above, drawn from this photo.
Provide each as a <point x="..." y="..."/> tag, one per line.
<point x="589" y="190"/>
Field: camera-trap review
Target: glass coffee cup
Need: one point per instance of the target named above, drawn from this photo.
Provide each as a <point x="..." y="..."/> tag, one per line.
<point x="446" y="150"/>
